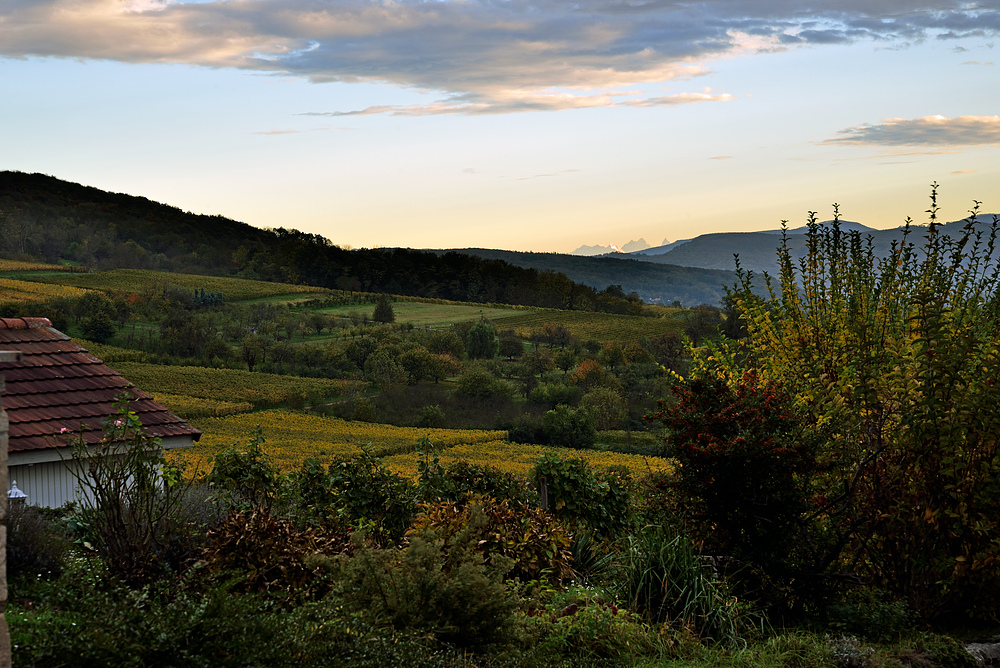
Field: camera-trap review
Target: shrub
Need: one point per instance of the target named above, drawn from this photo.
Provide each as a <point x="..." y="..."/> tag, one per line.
<point x="534" y="543"/>
<point x="582" y="626"/>
<point x="746" y="465"/>
<point x="270" y="554"/>
<point x="359" y="492"/>
<point x="577" y="494"/>
<point x="664" y="579"/>
<point x="34" y="546"/>
<point x="888" y="351"/>
<point x="433" y="585"/>
<point x="131" y="496"/>
<point x="247" y="479"/>
<point x="460" y="479"/>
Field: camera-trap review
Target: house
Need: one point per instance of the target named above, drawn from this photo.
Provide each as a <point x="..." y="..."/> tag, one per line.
<point x="56" y="388"/>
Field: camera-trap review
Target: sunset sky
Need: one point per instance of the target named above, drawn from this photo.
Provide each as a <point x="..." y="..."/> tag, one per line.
<point x="521" y="124"/>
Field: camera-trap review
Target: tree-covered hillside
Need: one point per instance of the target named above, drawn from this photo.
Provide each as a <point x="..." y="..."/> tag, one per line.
<point x="44" y="218"/>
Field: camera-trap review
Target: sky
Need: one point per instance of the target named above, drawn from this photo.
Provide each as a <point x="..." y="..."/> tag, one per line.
<point x="538" y="125"/>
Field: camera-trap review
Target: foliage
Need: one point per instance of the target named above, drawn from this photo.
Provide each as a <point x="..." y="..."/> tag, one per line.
<point x="130" y="495"/>
<point x="359" y="492"/>
<point x="536" y="546"/>
<point x="601" y="501"/>
<point x="35" y="546"/>
<point x="746" y="465"/>
<point x="195" y="622"/>
<point x="383" y="310"/>
<point x="585" y="626"/>
<point x="481" y="341"/>
<point x="479" y="383"/>
<point x="664" y="578"/>
<point x="569" y="427"/>
<point x="461" y="479"/>
<point x="606" y="406"/>
<point x="269" y="554"/>
<point x="246" y="477"/>
<point x="900" y="357"/>
<point x="519" y="458"/>
<point x="439" y="586"/>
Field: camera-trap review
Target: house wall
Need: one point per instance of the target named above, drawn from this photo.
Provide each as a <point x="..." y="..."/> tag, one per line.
<point x="47" y="484"/>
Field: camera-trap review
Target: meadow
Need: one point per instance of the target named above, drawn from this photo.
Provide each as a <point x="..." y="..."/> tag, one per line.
<point x="426" y="314"/>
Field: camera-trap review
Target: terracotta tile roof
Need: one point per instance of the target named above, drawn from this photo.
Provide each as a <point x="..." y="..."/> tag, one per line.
<point x="59" y="385"/>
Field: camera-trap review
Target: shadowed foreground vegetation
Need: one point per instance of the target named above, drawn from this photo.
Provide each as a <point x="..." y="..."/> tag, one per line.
<point x="829" y="492"/>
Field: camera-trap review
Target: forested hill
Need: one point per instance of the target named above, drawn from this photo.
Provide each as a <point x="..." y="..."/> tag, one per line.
<point x="47" y="219"/>
<point x="651" y="280"/>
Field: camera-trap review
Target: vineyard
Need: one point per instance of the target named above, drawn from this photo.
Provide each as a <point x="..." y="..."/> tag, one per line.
<point x="141" y="281"/>
<point x="291" y="438"/>
<point x="519" y="459"/>
<point x="11" y="266"/>
<point x="231" y="385"/>
<point x="602" y="327"/>
<point x="13" y="291"/>
<point x="190" y="408"/>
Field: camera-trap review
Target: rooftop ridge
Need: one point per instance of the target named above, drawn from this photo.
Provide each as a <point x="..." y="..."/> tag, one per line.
<point x="24" y="323"/>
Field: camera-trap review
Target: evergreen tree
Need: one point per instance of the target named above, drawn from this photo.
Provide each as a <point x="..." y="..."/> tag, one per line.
<point x="383" y="310"/>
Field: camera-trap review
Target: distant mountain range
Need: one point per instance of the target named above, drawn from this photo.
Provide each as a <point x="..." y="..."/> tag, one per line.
<point x="634" y="246"/>
<point x="757" y="250"/>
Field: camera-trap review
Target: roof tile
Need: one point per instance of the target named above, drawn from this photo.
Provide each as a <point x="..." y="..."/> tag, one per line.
<point x="59" y="385"/>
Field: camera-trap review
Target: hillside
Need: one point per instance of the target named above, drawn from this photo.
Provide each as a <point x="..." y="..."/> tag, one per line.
<point x="43" y="218"/>
<point x="757" y="249"/>
<point x="654" y="280"/>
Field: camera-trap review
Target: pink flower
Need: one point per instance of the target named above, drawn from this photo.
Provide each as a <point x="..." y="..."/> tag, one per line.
<point x="63" y="430"/>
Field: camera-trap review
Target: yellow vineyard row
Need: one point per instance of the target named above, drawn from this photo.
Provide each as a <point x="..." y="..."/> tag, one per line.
<point x="291" y="438"/>
<point x="190" y="408"/>
<point x="235" y="385"/>
<point x="25" y="292"/>
<point x="519" y="459"/>
<point x="141" y="281"/>
<point x="18" y="265"/>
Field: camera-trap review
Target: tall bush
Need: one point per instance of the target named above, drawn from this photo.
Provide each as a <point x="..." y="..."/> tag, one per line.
<point x="900" y="357"/>
<point x="131" y="496"/>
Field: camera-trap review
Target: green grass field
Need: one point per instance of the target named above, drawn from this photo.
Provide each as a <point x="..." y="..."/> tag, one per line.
<point x="421" y="314"/>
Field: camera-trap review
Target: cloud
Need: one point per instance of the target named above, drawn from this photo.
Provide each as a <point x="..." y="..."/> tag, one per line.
<point x="721" y="157"/>
<point x="484" y="56"/>
<point x="961" y="172"/>
<point x="505" y="102"/>
<point x="927" y="131"/>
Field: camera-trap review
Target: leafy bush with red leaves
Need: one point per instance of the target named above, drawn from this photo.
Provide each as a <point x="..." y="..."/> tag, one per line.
<point x="747" y="461"/>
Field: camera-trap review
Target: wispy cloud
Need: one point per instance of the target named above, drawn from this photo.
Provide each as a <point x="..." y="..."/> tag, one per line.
<point x="927" y="131"/>
<point x="485" y="56"/>
<point x="505" y="102"/>
<point x="721" y="157"/>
